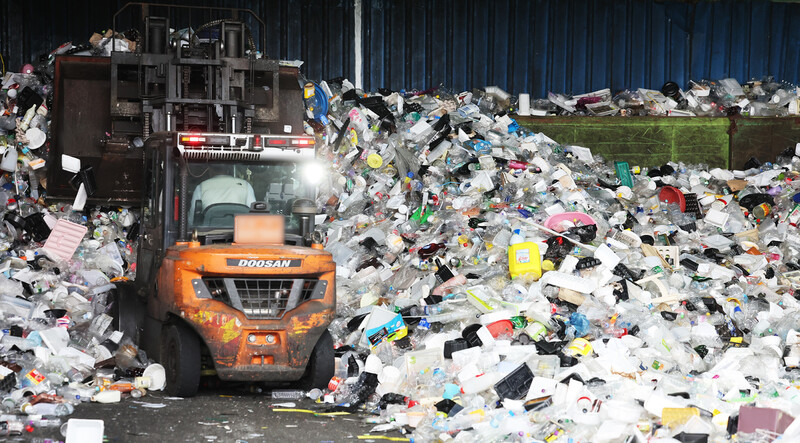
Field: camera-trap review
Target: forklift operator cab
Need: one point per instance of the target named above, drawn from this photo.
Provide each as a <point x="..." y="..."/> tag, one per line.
<point x="219" y="198"/>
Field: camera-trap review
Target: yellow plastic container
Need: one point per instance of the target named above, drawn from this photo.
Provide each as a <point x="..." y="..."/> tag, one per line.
<point x="524" y="258"/>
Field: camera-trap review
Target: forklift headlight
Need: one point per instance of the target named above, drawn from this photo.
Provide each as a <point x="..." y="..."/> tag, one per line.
<point x="313" y="173"/>
<point x="270" y="338"/>
<point x="251" y="338"/>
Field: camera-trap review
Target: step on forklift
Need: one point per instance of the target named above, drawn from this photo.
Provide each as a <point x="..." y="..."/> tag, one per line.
<point x="205" y="136"/>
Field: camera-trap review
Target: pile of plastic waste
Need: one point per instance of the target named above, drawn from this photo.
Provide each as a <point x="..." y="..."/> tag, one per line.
<point x="707" y="98"/>
<point x="495" y="285"/>
<point x="59" y="269"/>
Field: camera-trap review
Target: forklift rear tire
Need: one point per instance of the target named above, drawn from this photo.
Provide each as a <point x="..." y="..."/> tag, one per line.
<point x="320" y="365"/>
<point x="180" y="355"/>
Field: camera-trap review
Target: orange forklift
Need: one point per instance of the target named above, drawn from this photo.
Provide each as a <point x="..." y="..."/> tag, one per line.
<point x="205" y="136"/>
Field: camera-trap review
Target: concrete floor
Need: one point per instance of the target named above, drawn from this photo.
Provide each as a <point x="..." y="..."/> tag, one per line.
<point x="216" y="415"/>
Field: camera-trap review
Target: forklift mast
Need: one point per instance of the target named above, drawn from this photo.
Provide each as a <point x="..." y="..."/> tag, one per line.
<point x="207" y="77"/>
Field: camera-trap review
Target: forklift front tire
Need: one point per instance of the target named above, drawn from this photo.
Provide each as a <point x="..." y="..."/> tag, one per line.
<point x="320" y="365"/>
<point x="180" y="355"/>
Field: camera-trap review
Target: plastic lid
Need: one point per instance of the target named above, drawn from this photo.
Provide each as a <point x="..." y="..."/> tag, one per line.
<point x="374" y="161"/>
<point x="36" y="137"/>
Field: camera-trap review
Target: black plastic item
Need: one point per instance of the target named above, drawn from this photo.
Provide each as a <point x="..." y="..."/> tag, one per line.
<point x="133" y="232"/>
<point x="711" y="304"/>
<point x="751" y="201"/>
<point x="733" y="425"/>
<point x="405" y="342"/>
<point x="567" y="361"/>
<point x="621" y="293"/>
<point x="365" y="387"/>
<point x="548" y="347"/>
<point x="15" y="220"/>
<point x="574" y="376"/>
<point x="586" y="233"/>
<point x="516" y="384"/>
<point x="769" y="273"/>
<point x="340" y="135"/>
<point x="634" y="330"/>
<point x="470" y="334"/>
<point x="26" y="98"/>
<point x="355" y="322"/>
<point x="557" y="249"/>
<point x="587" y="263"/>
<point x="87" y="178"/>
<point x="37" y="227"/>
<point x="691" y="265"/>
<point x="392" y="399"/>
<point x="376" y="105"/>
<point x="448" y="407"/>
<point x="433" y="299"/>
<point x="8" y="383"/>
<point x="714" y="254"/>
<point x="671" y="90"/>
<point x="444" y="273"/>
<point x="648" y="240"/>
<point x="538" y="403"/>
<point x="654" y="172"/>
<point x="623" y="271"/>
<point x="692" y="205"/>
<point x="691" y="438"/>
<point x="455" y="345"/>
<point x="752" y="163"/>
<point x="667" y="170"/>
<point x="669" y="316"/>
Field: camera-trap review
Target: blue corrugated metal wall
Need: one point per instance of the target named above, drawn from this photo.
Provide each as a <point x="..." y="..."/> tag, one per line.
<point x="576" y="46"/>
<point x="521" y="45"/>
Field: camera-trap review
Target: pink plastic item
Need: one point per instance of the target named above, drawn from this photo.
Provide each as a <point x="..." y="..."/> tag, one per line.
<point x="554" y="221"/>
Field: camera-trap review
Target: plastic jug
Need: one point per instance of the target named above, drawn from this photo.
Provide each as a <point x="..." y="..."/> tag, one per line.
<point x="523" y="256"/>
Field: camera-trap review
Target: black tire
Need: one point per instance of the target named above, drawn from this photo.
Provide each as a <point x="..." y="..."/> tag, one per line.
<point x="320" y="365"/>
<point x="180" y="355"/>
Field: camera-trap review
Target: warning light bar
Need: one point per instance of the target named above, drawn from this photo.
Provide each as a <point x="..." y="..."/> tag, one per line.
<point x="303" y="141"/>
<point x="300" y="142"/>
<point x="192" y="140"/>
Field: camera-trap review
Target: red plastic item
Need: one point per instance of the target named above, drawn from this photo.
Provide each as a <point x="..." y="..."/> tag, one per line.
<point x="501" y="327"/>
<point x="670" y="194"/>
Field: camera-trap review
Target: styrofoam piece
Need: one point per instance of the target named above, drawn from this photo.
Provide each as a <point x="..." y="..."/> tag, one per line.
<point x="573" y="282"/>
<point x="608" y="257"/>
<point x="64" y="239"/>
<point x="85" y="431"/>
<point x="70" y="163"/>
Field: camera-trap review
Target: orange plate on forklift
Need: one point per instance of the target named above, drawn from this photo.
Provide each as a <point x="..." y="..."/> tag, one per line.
<point x="258" y="229"/>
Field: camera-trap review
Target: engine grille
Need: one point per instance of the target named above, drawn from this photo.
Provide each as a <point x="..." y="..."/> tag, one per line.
<point x="261" y="298"/>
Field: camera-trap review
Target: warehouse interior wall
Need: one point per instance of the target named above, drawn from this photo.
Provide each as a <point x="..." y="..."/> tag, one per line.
<point x="534" y="46"/>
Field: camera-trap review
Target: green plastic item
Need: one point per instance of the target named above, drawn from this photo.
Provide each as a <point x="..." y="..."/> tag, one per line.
<point x="624" y="173"/>
<point x="421" y="214"/>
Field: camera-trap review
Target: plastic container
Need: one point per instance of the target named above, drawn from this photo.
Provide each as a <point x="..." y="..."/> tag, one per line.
<point x="524" y="258"/>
